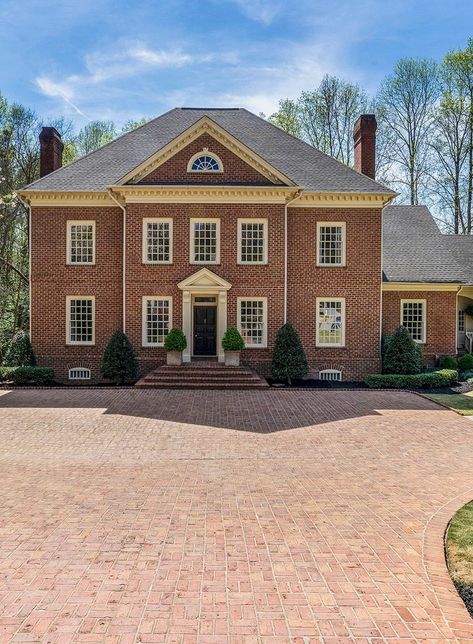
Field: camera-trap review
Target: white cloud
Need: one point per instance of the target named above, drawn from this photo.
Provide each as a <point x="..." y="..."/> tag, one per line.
<point x="160" y="58"/>
<point x="263" y="11"/>
<point x="58" y="90"/>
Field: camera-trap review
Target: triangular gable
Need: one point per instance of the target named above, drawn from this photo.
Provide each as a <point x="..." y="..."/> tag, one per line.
<point x="204" y="279"/>
<point x="205" y="125"/>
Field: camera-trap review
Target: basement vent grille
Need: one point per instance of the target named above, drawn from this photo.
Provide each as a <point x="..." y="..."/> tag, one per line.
<point x="330" y="374"/>
<point x="79" y="373"/>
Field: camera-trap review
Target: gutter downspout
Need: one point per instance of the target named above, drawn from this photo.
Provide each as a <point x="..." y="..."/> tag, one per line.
<point x="123" y="208"/>
<point x="27" y="205"/>
<point x="296" y="196"/>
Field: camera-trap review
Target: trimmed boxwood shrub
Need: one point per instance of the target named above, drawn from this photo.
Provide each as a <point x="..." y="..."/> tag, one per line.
<point x="175" y="340"/>
<point x="448" y="362"/>
<point x="465" y="362"/>
<point x="289" y="359"/>
<point x="232" y="340"/>
<point x="19" y="352"/>
<point x="119" y="360"/>
<point x="27" y="375"/>
<point x="430" y="379"/>
<point x="402" y="355"/>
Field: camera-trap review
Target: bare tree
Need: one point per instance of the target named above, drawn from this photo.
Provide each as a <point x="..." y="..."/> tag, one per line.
<point x="406" y="101"/>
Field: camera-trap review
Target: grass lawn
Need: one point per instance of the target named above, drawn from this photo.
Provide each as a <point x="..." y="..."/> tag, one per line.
<point x="460" y="546"/>
<point x="462" y="403"/>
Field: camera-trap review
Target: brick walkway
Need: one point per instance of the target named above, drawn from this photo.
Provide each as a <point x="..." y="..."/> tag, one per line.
<point x="163" y="516"/>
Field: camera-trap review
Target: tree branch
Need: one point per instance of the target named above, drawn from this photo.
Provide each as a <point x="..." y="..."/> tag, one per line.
<point x="17" y="271"/>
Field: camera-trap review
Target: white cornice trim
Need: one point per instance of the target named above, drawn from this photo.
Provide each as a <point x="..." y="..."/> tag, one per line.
<point x="419" y="286"/>
<point x="203" y="194"/>
<point x="342" y="200"/>
<point x="82" y="199"/>
<point x="205" y="125"/>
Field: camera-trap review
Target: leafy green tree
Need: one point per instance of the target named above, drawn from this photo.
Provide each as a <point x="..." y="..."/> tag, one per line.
<point x="402" y="355"/>
<point x="119" y="360"/>
<point x="93" y="135"/>
<point x="19" y="352"/>
<point x="289" y="359"/>
<point x="287" y="117"/>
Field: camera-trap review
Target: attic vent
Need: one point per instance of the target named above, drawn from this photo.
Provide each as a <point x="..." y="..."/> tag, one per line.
<point x="79" y="373"/>
<point x="330" y="374"/>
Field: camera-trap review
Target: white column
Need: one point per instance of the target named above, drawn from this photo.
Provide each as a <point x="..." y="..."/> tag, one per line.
<point x="221" y="323"/>
<point x="187" y="324"/>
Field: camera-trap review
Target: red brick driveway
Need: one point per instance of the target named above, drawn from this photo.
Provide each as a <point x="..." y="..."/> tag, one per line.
<point x="154" y="516"/>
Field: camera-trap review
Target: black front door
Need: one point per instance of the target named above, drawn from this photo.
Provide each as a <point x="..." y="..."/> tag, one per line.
<point x="205" y="330"/>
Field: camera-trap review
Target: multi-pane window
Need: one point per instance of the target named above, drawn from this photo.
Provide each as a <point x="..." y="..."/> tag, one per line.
<point x="461" y="320"/>
<point x="331" y="244"/>
<point x="204" y="162"/>
<point x="330" y="330"/>
<point x="157" y="241"/>
<point x="157" y="320"/>
<point x="252" y="241"/>
<point x="205" y="241"/>
<point x="80" y="320"/>
<point x="80" y="242"/>
<point x="252" y="321"/>
<point x="413" y="318"/>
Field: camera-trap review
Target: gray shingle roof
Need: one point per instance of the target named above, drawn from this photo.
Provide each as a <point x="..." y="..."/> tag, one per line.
<point x="303" y="164"/>
<point x="414" y="249"/>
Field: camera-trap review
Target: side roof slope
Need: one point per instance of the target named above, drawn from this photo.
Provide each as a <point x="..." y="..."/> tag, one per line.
<point x="305" y="165"/>
<point x="414" y="249"/>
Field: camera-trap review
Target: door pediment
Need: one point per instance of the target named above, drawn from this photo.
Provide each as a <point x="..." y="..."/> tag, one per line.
<point x="204" y="281"/>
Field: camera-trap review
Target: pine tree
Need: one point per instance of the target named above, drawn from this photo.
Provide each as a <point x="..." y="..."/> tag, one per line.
<point x="119" y="360"/>
<point x="402" y="355"/>
<point x="19" y="352"/>
<point x="289" y="359"/>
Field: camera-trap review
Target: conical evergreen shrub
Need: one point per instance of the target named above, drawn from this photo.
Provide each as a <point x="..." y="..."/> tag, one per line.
<point x="119" y="360"/>
<point x="402" y="355"/>
<point x="19" y="352"/>
<point x="289" y="359"/>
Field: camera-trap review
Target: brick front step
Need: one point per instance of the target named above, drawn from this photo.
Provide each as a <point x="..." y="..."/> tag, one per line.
<point x="202" y="376"/>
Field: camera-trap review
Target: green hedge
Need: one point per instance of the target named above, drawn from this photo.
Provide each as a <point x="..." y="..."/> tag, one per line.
<point x="431" y="379"/>
<point x="27" y="375"/>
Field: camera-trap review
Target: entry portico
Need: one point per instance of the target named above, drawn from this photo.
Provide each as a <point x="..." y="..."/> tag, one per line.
<point x="203" y="283"/>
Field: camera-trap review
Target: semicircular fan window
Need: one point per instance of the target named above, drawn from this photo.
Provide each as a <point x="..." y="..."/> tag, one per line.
<point x="205" y="163"/>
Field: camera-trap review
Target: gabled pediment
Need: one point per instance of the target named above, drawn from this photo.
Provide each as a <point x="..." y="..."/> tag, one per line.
<point x="204" y="280"/>
<point x="205" y="125"/>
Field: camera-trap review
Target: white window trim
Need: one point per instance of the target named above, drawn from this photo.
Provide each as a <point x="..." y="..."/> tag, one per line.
<point x="461" y="315"/>
<point x="79" y="222"/>
<point x="144" y="332"/>
<point x="327" y="345"/>
<point x="87" y="374"/>
<point x="156" y="220"/>
<point x="69" y="298"/>
<point x="203" y="220"/>
<point x="265" y="240"/>
<point x="424" y="317"/>
<point x="205" y="152"/>
<point x="264" y="344"/>
<point x="343" y="226"/>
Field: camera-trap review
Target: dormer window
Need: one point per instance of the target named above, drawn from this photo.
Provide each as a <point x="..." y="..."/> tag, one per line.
<point x="204" y="161"/>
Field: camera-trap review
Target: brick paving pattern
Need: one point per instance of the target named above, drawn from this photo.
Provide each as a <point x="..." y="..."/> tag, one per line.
<point x="213" y="517"/>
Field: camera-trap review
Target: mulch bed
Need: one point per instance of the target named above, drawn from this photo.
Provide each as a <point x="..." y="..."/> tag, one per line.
<point x="466" y="593"/>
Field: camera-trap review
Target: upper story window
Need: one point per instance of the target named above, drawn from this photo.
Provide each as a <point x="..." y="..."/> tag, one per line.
<point x="81" y="242"/>
<point x="157" y="241"/>
<point x="205" y="161"/>
<point x="252" y="241"/>
<point x="205" y="241"/>
<point x="330" y="331"/>
<point x="331" y="243"/>
<point x="413" y="317"/>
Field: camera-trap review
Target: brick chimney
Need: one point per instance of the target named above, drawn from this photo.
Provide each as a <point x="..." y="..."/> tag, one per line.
<point x="364" y="135"/>
<point x="51" y="147"/>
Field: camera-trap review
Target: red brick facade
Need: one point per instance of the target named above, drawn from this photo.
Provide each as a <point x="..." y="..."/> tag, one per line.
<point x="440" y="324"/>
<point x="358" y="282"/>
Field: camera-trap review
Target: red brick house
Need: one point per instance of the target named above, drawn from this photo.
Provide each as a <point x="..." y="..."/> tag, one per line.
<point x="208" y="218"/>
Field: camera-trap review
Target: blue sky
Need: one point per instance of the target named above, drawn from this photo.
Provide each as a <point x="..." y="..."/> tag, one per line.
<point x="104" y="59"/>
